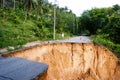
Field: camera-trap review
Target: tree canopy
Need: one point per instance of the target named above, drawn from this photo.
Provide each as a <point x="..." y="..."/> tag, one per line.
<point x="104" y="24"/>
<point x="106" y="20"/>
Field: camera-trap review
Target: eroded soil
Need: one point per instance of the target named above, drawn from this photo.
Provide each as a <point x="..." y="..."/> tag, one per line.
<point x="73" y="61"/>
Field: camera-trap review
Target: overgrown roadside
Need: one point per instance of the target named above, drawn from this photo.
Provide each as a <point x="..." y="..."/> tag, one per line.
<point x="10" y="48"/>
<point x="102" y="40"/>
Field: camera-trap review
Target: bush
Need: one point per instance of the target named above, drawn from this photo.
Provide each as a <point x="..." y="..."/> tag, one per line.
<point x="104" y="40"/>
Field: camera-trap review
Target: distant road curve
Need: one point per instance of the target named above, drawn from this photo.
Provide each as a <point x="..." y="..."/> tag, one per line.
<point x="79" y="39"/>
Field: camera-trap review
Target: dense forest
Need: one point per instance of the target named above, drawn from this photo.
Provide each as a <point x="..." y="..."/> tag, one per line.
<point x="22" y="21"/>
<point x="104" y="26"/>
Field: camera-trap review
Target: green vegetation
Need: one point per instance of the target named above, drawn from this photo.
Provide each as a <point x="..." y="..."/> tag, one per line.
<point x="104" y="24"/>
<point x="102" y="40"/>
<point x="30" y="20"/>
<point x="23" y="21"/>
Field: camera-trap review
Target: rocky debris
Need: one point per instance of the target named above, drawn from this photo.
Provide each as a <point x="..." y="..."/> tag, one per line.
<point x="3" y="50"/>
<point x="32" y="43"/>
<point x="74" y="61"/>
<point x="27" y="45"/>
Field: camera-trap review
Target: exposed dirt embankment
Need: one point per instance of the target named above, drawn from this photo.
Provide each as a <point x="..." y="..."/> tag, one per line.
<point x="73" y="61"/>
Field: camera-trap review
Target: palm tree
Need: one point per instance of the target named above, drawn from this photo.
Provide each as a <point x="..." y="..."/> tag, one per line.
<point x="40" y="6"/>
<point x="29" y="5"/>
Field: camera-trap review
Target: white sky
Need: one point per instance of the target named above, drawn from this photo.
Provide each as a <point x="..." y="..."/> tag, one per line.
<point x="78" y="6"/>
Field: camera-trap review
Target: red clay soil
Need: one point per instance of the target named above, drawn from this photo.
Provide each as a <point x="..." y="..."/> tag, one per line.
<point x="73" y="61"/>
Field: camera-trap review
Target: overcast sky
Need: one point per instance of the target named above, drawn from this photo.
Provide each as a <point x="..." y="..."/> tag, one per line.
<point x="78" y="6"/>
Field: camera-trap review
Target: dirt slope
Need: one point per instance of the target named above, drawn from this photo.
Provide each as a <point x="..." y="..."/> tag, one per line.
<point x="73" y="61"/>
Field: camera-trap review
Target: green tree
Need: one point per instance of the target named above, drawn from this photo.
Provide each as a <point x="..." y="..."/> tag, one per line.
<point x="116" y="7"/>
<point x="113" y="27"/>
<point x="95" y="19"/>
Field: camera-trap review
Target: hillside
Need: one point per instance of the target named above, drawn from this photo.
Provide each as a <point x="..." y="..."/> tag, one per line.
<point x="25" y="23"/>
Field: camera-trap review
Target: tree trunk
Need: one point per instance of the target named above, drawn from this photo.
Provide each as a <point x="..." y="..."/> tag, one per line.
<point x="3" y="4"/>
<point x="26" y="13"/>
<point x="14" y="5"/>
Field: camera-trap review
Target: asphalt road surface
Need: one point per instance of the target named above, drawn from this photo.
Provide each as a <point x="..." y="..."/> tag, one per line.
<point x="79" y="39"/>
<point x="14" y="68"/>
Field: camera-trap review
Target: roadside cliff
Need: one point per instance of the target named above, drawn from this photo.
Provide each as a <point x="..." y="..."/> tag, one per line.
<point x="73" y="61"/>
